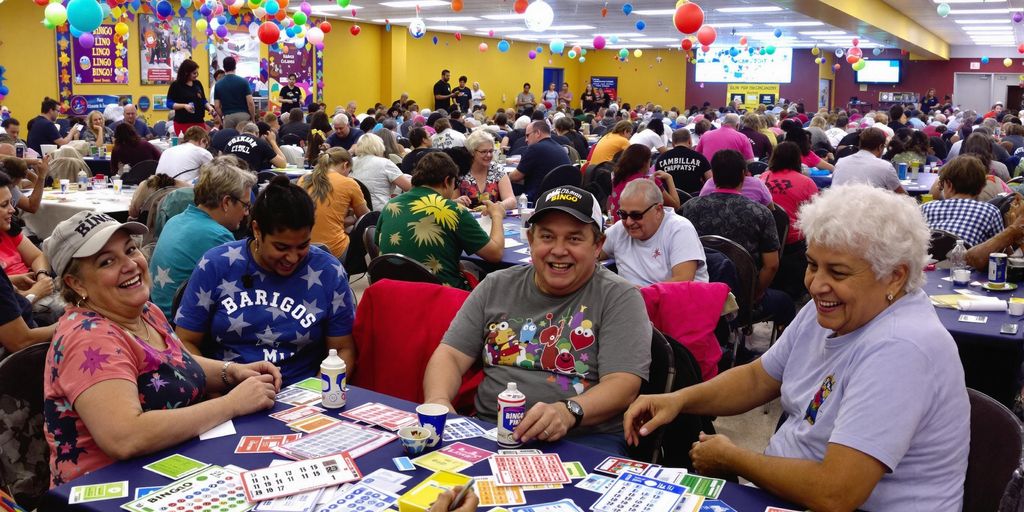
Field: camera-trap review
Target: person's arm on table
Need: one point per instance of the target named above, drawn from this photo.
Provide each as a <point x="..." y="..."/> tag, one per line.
<point x="111" y="411"/>
<point x="600" y="403"/>
<point x="842" y="481"/>
<point x="443" y="375"/>
<point x="977" y="256"/>
<point x="495" y="248"/>
<point x="279" y="161"/>
<point x="444" y="501"/>
<point x="235" y="373"/>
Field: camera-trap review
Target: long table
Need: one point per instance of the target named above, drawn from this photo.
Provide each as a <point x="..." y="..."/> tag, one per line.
<point x="220" y="451"/>
<point x="917" y="187"/>
<point x="56" y="207"/>
<point x="991" y="360"/>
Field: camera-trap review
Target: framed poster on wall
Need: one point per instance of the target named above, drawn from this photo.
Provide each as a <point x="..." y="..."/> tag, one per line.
<point x="285" y="60"/>
<point x="608" y="84"/>
<point x="163" y="46"/>
<point x="106" y="62"/>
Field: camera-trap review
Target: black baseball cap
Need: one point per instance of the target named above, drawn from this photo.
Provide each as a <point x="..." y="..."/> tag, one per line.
<point x="572" y="200"/>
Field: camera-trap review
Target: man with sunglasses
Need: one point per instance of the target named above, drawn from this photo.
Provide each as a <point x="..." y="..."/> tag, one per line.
<point x="652" y="244"/>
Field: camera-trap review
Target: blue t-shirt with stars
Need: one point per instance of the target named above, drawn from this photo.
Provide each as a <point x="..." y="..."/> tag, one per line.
<point x="284" y="320"/>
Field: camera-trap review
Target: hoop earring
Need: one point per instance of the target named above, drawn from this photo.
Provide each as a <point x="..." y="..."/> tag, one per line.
<point x="889" y="297"/>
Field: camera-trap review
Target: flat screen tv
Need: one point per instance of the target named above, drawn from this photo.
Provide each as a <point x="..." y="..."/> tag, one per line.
<point x="879" y="72"/>
<point x="731" y="65"/>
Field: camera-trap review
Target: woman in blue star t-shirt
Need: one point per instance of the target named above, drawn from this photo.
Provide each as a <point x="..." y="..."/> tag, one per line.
<point x="272" y="297"/>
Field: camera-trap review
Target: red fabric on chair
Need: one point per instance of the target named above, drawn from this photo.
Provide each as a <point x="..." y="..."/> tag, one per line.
<point x="398" y="325"/>
<point x="688" y="312"/>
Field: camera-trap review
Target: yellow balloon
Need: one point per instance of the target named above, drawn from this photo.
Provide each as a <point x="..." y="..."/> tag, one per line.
<point x="201" y="25"/>
<point x="638" y="53"/>
<point x="1007" y="62"/>
<point x="681" y="2"/>
<point x="121" y="28"/>
<point x="815" y="51"/>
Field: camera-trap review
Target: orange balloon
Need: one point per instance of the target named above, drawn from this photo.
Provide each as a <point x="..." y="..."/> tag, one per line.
<point x="234" y="9"/>
<point x="520" y="6"/>
<point x="852" y="59"/>
<point x="604" y="12"/>
<point x="282" y="3"/>
<point x="456" y="5"/>
<point x="281" y="15"/>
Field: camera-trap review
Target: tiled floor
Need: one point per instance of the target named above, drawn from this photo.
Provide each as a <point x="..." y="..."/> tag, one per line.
<point x="750" y="430"/>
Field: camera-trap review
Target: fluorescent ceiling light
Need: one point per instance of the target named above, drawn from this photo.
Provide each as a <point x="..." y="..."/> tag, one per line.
<point x="454" y="18"/>
<point x="738" y="24"/>
<point x="408" y="4"/>
<point x="655" y="12"/>
<point x="499" y="30"/>
<point x="981" y="11"/>
<point x="394" y="20"/>
<point x="445" y="27"/>
<point x="657" y="39"/>
<point x="571" y="27"/>
<point x="764" y="8"/>
<point x="988" y="30"/>
<point x="983" y="22"/>
<point x="824" y="33"/>
<point x="504" y="16"/>
<point x="794" y="23"/>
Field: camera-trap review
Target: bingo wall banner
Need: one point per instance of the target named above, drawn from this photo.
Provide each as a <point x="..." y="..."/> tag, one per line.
<point x="164" y="46"/>
<point x="285" y="60"/>
<point x="105" y="62"/>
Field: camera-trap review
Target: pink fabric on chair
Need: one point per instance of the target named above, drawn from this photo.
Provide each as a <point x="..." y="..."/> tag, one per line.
<point x="688" y="312"/>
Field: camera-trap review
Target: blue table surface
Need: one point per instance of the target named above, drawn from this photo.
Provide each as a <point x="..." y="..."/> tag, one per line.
<point x="915" y="188"/>
<point x="220" y="451"/>
<point x="977" y="333"/>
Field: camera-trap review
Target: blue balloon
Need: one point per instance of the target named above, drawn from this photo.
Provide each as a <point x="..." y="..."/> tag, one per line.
<point x="4" y="90"/>
<point x="984" y="60"/>
<point x="223" y="20"/>
<point x="733" y="52"/>
<point x="614" y="39"/>
<point x="271" y="7"/>
<point x="205" y="11"/>
<point x="778" y="32"/>
<point x="503" y="46"/>
<point x="640" y="25"/>
<point x="85" y="15"/>
<point x="540" y="49"/>
<point x="76" y="33"/>
<point x="627" y="8"/>
<point x="164" y="9"/>
<point x="435" y="39"/>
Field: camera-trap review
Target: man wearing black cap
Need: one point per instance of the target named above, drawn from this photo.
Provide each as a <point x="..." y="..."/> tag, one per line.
<point x="571" y="334"/>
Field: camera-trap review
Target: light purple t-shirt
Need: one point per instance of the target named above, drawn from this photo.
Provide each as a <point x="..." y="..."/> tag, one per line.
<point x="753" y="189"/>
<point x="893" y="389"/>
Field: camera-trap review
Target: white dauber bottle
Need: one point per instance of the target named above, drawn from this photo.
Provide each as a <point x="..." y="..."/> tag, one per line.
<point x="332" y="377"/>
<point x="511" y="409"/>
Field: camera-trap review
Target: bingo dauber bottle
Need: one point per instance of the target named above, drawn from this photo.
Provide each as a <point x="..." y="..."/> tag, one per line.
<point x="511" y="409"/>
<point x="332" y="376"/>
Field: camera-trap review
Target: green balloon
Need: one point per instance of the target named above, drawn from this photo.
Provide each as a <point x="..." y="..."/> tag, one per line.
<point x="56" y="14"/>
<point x="859" y="65"/>
<point x="770" y="50"/>
<point x="943" y="10"/>
<point x="623" y="53"/>
<point x="343" y="3"/>
<point x="299" y="18"/>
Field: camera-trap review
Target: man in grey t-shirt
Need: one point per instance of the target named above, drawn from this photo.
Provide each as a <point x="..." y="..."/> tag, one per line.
<point x="571" y="334"/>
<point x="866" y="166"/>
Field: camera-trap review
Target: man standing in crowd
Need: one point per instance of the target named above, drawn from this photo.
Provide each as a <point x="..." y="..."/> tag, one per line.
<point x="462" y="94"/>
<point x="291" y="96"/>
<point x="688" y="168"/>
<point x="234" y="97"/>
<point x="541" y="156"/>
<point x="543" y="321"/>
<point x="443" y="92"/>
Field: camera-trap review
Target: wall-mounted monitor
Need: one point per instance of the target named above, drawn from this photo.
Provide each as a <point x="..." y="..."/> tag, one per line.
<point x="879" y="72"/>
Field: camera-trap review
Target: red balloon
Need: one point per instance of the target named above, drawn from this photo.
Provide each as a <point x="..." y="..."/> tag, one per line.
<point x="856" y="41"/>
<point x="520" y="6"/>
<point x="855" y="51"/>
<point x="325" y="26"/>
<point x="835" y="67"/>
<point x="456" y="5"/>
<point x="687" y="44"/>
<point x="743" y="40"/>
<point x="269" y="33"/>
<point x="458" y="36"/>
<point x="1020" y="48"/>
<point x="706" y="35"/>
<point x="852" y="59"/>
<point x="705" y="48"/>
<point x="688" y="18"/>
<point x="354" y="30"/>
<point x="604" y="11"/>
<point x="42" y="3"/>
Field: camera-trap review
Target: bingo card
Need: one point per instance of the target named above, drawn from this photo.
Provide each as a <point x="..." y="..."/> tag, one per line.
<point x="340" y="437"/>
<point x="638" y="493"/>
<point x="300" y="476"/>
<point x="382" y="415"/>
<point x="528" y="469"/>
<point x="209" y="488"/>
<point x="457" y="429"/>
<point x="358" y="498"/>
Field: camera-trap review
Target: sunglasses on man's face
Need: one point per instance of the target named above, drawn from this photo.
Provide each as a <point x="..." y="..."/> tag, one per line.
<point x="623" y="214"/>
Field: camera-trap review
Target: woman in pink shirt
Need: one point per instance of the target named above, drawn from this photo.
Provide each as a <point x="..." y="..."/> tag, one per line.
<point x="790" y="189"/>
<point x="635" y="163"/>
<point x="795" y="133"/>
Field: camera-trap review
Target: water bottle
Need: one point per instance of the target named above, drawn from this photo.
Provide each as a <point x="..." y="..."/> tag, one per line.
<point x="83" y="178"/>
<point x="522" y="201"/>
<point x="511" y="409"/>
<point x="332" y="375"/>
<point x="958" y="270"/>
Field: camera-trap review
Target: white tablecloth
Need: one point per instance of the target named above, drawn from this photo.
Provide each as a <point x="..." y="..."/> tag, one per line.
<point x="57" y="207"/>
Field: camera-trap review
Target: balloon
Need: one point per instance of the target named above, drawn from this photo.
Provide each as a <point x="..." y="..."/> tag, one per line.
<point x="584" y="59"/>
<point x="490" y="33"/>
<point x="817" y="61"/>
<point x="687" y="44"/>
<point x="599" y="42"/>
<point x="1020" y="48"/>
<point x="532" y="55"/>
<point x="856" y="41"/>
<point x="201" y="25"/>
<point x="300" y="18"/>
<point x="572" y="54"/>
<point x="577" y="49"/>
<point x="769" y="50"/>
<point x="688" y="18"/>
<point x="604" y="12"/>
<point x="434" y="39"/>
<point x="627" y="9"/>
<point x="164" y="10"/>
<point x="852" y="59"/>
<point x="85" y="15"/>
<point x="482" y="47"/>
<point x="859" y="65"/>
<point x="354" y="30"/>
<point x="840" y="53"/>
<point x="105" y="7"/>
<point x="343" y="3"/>
<point x="855" y="51"/>
<point x="743" y="40"/>
<point x="121" y="28"/>
<point x="1018" y="17"/>
<point x="539" y="16"/>
<point x="86" y="40"/>
<point x="815" y="51"/>
<point x="984" y="60"/>
<point x="640" y="25"/>
<point x="942" y="10"/>
<point x="268" y="32"/>
<point x="614" y="39"/>
<point x="42" y="3"/>
<point x="583" y="51"/>
<point x="623" y="53"/>
<point x="733" y="52"/>
<point x="638" y="53"/>
<point x="557" y="46"/>
<point x="56" y="14"/>
<point x="503" y="46"/>
<point x="456" y="5"/>
<point x="778" y="32"/>
<point x="705" y="48"/>
<point x="540" y="49"/>
<point x="520" y="6"/>
<point x="835" y="67"/>
<point x="417" y="28"/>
<point x="458" y="36"/>
<point x="706" y="35"/>
<point x="272" y="7"/>
<point x="876" y="52"/>
<point x="222" y="32"/>
<point x="306" y="8"/>
<point x="1007" y="62"/>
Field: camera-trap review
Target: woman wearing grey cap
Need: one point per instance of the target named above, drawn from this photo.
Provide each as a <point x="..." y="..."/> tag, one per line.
<point x="118" y="383"/>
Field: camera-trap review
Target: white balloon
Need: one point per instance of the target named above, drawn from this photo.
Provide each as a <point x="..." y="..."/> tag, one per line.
<point x="315" y="35"/>
<point x="539" y="16"/>
<point x="254" y="30"/>
<point x="417" y="28"/>
<point x="259" y="12"/>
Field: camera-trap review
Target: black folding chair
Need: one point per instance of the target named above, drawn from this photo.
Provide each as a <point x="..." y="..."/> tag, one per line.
<point x="941" y="243"/>
<point x="370" y="242"/>
<point x="996" y="437"/>
<point x="139" y="172"/>
<point x="661" y="377"/>
<point x="757" y="167"/>
<point x="561" y="176"/>
<point x="355" y="258"/>
<point x="24" y="453"/>
<point x="399" y="268"/>
<point x="366" y="196"/>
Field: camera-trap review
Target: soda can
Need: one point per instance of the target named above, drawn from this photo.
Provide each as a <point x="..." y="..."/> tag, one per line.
<point x="997" y="268"/>
<point x="901" y="169"/>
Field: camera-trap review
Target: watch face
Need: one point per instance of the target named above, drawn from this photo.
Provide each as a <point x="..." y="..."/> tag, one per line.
<point x="574" y="408"/>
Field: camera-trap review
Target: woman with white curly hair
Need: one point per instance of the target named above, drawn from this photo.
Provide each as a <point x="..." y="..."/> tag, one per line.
<point x="871" y="383"/>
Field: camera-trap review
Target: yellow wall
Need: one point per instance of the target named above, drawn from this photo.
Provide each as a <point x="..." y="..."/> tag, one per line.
<point x="29" y="53"/>
<point x="826" y="72"/>
<point x="376" y="65"/>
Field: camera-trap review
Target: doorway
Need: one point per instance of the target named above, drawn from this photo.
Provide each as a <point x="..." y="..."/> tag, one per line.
<point x="1013" y="98"/>
<point x="551" y="76"/>
<point x="824" y="93"/>
<point x="973" y="91"/>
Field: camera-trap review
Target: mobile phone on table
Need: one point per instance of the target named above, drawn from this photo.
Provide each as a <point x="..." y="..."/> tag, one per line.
<point x="1008" y="329"/>
<point x="973" y="319"/>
